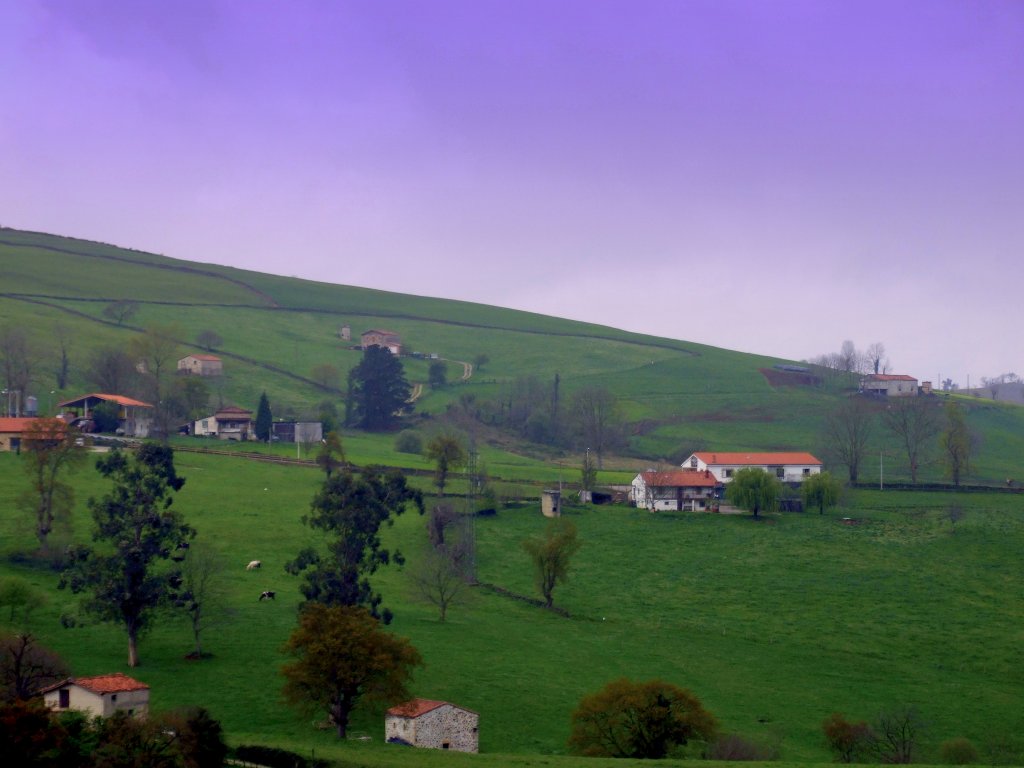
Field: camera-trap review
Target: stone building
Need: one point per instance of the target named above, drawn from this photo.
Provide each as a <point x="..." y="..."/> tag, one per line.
<point x="433" y="725"/>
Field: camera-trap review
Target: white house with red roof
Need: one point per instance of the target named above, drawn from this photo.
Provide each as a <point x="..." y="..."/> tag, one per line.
<point x="789" y="467"/>
<point x="201" y="365"/>
<point x="433" y="725"/>
<point x="101" y="695"/>
<point x="889" y="385"/>
<point x="134" y="417"/>
<point x="681" y="489"/>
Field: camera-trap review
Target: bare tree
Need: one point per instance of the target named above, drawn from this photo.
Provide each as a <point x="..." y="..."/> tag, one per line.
<point x="915" y="421"/>
<point x="849" y="358"/>
<point x="875" y="355"/>
<point x="203" y="597"/>
<point x="112" y="370"/>
<point x="956" y="443"/>
<point x="121" y="310"/>
<point x="848" y="430"/>
<point x="441" y="576"/>
<point x="26" y="666"/>
<point x="896" y="735"/>
<point x="64" y="340"/>
<point x="156" y="353"/>
<point x="208" y="339"/>
<point x="51" y="450"/>
<point x="17" y="364"/>
<point x="597" y="420"/>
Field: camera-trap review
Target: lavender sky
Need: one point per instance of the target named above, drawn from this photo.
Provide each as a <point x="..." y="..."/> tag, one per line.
<point x="767" y="176"/>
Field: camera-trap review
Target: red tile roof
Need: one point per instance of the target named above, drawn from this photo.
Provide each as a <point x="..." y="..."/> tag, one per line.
<point x="233" y="410"/>
<point x="415" y="707"/>
<point x="15" y="424"/>
<point x="115" y="682"/>
<point x="756" y="459"/>
<point x="207" y="358"/>
<point x="680" y="478"/>
<point x="119" y="399"/>
<point x="889" y="377"/>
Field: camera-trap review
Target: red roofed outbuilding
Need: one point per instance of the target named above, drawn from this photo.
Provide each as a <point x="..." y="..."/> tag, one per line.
<point x="201" y="365"/>
<point x="134" y="417"/>
<point x="677" y="490"/>
<point x="433" y="725"/>
<point x="100" y="695"/>
<point x="889" y="385"/>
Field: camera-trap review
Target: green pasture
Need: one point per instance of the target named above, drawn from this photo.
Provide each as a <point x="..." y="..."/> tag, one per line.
<point x="774" y="624"/>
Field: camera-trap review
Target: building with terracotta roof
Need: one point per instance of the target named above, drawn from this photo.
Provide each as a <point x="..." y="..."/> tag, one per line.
<point x="101" y="695"/>
<point x="378" y="337"/>
<point x="228" y="423"/>
<point x="134" y="417"/>
<point x="789" y="467"/>
<point x="201" y="365"/>
<point x="12" y="432"/>
<point x="433" y="725"/>
<point x="889" y="385"/>
<point x="679" y="490"/>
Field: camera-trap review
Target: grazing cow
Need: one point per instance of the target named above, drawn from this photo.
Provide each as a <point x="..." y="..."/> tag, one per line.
<point x="255" y="565"/>
<point x="267" y="595"/>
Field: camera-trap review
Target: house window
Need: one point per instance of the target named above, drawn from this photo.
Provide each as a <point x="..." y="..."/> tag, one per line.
<point x="693" y="462"/>
<point x="446" y="745"/>
<point x="113" y="697"/>
<point x="64" y="697"/>
<point x="807" y="471"/>
<point x="780" y="472"/>
<point x="727" y="473"/>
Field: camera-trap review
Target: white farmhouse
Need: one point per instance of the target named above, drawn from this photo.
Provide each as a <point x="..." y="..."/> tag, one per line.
<point x="889" y="385"/>
<point x="433" y="725"/>
<point x="682" y="489"/>
<point x="101" y="696"/>
<point x="790" y="467"/>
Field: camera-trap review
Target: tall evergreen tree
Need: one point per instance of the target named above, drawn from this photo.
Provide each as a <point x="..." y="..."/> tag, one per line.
<point x="377" y="391"/>
<point x="264" y="419"/>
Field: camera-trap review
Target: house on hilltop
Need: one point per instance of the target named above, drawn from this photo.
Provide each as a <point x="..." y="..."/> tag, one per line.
<point x="377" y="337"/>
<point x="100" y="696"/>
<point x="433" y="725"/>
<point x="789" y="467"/>
<point x="682" y="489"/>
<point x="201" y="365"/>
<point x="889" y="385"/>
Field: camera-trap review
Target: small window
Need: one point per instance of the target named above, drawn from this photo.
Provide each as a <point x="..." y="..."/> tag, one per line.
<point x="64" y="696"/>
<point x="780" y="472"/>
<point x="727" y="473"/>
<point x="693" y="462"/>
<point x="446" y="745"/>
<point x="807" y="471"/>
<point x="113" y="697"/>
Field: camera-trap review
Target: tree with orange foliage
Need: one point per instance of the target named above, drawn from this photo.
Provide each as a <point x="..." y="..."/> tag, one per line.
<point x="49" y="449"/>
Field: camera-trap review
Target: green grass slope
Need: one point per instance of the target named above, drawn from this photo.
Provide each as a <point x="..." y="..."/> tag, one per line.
<point x="774" y="624"/>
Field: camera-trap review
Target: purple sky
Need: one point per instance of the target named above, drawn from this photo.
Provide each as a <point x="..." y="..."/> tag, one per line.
<point x="766" y="176"/>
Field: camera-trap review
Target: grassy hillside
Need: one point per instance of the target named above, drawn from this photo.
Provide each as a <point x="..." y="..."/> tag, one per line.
<point x="678" y="396"/>
<point x="774" y="624"/>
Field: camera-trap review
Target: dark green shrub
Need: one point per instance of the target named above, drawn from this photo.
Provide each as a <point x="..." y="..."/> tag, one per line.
<point x="958" y="751"/>
<point x="409" y="442"/>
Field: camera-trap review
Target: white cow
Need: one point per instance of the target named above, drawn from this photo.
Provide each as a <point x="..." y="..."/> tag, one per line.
<point x="254" y="565"/>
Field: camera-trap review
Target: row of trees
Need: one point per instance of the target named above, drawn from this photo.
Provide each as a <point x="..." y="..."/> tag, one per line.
<point x="919" y="424"/>
<point x="850" y="360"/>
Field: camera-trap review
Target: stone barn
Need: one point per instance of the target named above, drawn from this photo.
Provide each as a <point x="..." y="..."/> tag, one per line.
<point x="433" y="725"/>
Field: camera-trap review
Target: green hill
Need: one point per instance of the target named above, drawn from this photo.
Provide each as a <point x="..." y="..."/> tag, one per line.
<point x="677" y="396"/>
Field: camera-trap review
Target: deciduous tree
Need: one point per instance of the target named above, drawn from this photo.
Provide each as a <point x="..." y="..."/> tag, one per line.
<point x="848" y="431"/>
<point x="447" y="453"/>
<point x="203" y="597"/>
<point x="377" y="391"/>
<point x="112" y="370"/>
<point x="955" y="442"/>
<point x="342" y="656"/>
<point x="639" y="720"/>
<point x="821" y="490"/>
<point x="597" y="420"/>
<point x="551" y="555"/>
<point x="50" y="451"/>
<point x="753" y="489"/>
<point x="330" y="457"/>
<point x="17" y="364"/>
<point x="130" y="578"/>
<point x="121" y="310"/>
<point x="437" y="374"/>
<point x="350" y="510"/>
<point x="26" y="666"/>
<point x="915" y="422"/>
<point x="156" y="353"/>
<point x="846" y="739"/>
<point x="208" y="339"/>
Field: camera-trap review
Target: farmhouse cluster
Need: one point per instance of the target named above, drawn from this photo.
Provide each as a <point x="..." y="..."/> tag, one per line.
<point x="698" y="484"/>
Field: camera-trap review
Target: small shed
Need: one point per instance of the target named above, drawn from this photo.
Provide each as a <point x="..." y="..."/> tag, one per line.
<point x="201" y="365"/>
<point x="101" y="695"/>
<point x="433" y="725"/>
<point x="551" y="503"/>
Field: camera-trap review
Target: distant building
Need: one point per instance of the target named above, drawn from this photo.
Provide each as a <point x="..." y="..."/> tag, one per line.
<point x="345" y="332"/>
<point x="682" y="489"/>
<point x="792" y="467"/>
<point x="228" y="423"/>
<point x="12" y="432"/>
<point x="889" y="385"/>
<point x="101" y="696"/>
<point x="201" y="365"/>
<point x="297" y="431"/>
<point x="134" y="417"/>
<point x="433" y="725"/>
<point x="376" y="337"/>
